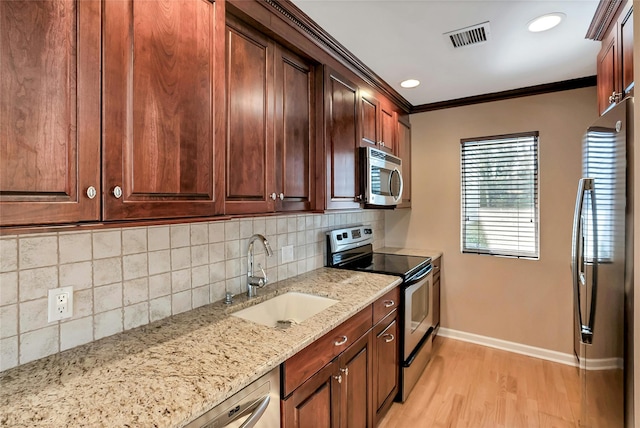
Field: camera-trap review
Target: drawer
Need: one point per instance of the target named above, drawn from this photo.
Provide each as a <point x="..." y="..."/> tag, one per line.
<point x="436" y="264"/>
<point x="307" y="362"/>
<point x="384" y="305"/>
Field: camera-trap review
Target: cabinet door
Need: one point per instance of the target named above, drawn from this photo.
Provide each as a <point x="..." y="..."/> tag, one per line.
<point x="626" y="49"/>
<point x="250" y="146"/>
<point x="341" y="103"/>
<point x="315" y="402"/>
<point x="355" y="371"/>
<point x="385" y="365"/>
<point x="163" y="74"/>
<point x="607" y="70"/>
<point x="49" y="111"/>
<point x="404" y="153"/>
<point x="294" y="131"/>
<point x="369" y="113"/>
<point x="388" y="129"/>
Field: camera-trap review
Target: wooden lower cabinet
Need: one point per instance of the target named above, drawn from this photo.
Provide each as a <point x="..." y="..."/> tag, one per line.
<point x="385" y="365"/>
<point x="355" y="375"/>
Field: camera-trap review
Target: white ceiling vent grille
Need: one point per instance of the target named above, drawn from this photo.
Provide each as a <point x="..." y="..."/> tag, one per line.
<point x="474" y="35"/>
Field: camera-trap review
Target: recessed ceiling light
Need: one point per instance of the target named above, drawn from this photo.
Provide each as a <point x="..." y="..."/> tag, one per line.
<point x="545" y="22"/>
<point x="410" y="83"/>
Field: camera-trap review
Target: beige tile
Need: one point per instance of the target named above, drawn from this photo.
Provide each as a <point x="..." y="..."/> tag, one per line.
<point x="199" y="255"/>
<point x="82" y="303"/>
<point x="76" y="332"/>
<point x="271" y="227"/>
<point x="134" y="240"/>
<point x="33" y="315"/>
<point x="135" y="266"/>
<point x="259" y="225"/>
<point x="232" y="268"/>
<point x="107" y="297"/>
<point x="8" y="353"/>
<point x="181" y="302"/>
<point x="160" y="308"/>
<point x="216" y="231"/>
<point x="301" y="267"/>
<point x="317" y="221"/>
<point x="180" y="258"/>
<point x="180" y="280"/>
<point x="8" y="321"/>
<point x="301" y="238"/>
<point x="159" y="285"/>
<point x="283" y="272"/>
<point x="282" y="225"/>
<point x="301" y="223"/>
<point x="292" y="224"/>
<point x="217" y="272"/>
<point x="217" y="291"/>
<point x="159" y="262"/>
<point x="217" y="252"/>
<point x="200" y="296"/>
<point x="8" y="288"/>
<point x="235" y="285"/>
<point x="75" y="247"/>
<point x="180" y="235"/>
<point x="34" y="283"/>
<point x="231" y="230"/>
<point x="158" y="238"/>
<point x="135" y="291"/>
<point x="107" y="244"/>
<point x="77" y="275"/>
<point x="199" y="276"/>
<point x="8" y="255"/>
<point x="38" y="252"/>
<point x="136" y="315"/>
<point x="246" y="228"/>
<point x="38" y="344"/>
<point x="199" y="233"/>
<point x="232" y="249"/>
<point x="107" y="323"/>
<point x="107" y="271"/>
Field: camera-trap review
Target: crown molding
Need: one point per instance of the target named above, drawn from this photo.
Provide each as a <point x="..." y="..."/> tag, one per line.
<point x="604" y="15"/>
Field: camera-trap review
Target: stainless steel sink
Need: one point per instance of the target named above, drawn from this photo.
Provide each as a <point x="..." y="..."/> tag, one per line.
<point x="285" y="309"/>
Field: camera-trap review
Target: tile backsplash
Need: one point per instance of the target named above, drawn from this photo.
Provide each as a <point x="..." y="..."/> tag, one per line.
<point x="126" y="277"/>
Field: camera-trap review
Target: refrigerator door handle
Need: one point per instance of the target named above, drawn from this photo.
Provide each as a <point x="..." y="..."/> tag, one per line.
<point x="587" y="333"/>
<point x="577" y="258"/>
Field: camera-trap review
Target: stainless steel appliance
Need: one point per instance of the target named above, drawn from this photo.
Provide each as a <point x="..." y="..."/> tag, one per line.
<point x="352" y="248"/>
<point x="602" y="267"/>
<point x="382" y="177"/>
<point x="256" y="405"/>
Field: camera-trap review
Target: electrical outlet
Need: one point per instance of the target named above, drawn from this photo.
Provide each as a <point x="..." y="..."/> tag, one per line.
<point x="287" y="254"/>
<point x="60" y="304"/>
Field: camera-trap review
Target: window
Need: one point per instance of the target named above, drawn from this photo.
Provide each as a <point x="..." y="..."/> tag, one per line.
<point x="499" y="180"/>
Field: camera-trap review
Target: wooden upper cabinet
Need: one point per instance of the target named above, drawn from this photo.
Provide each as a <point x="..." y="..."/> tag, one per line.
<point x="250" y="119"/>
<point x="341" y="141"/>
<point x="163" y="140"/>
<point x="404" y="153"/>
<point x="626" y="49"/>
<point x="607" y="72"/>
<point x="388" y="129"/>
<point x="369" y="116"/>
<point x="49" y="111"/>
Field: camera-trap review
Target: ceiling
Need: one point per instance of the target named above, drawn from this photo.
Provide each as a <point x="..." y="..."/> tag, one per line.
<point x="402" y="39"/>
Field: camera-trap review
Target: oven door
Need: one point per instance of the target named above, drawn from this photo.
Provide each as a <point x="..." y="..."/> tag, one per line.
<point x="417" y="312"/>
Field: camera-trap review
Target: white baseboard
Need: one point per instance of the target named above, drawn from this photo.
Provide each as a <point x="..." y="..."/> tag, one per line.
<point x="531" y="351"/>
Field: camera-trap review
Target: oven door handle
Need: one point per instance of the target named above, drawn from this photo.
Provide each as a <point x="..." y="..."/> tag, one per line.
<point x="419" y="276"/>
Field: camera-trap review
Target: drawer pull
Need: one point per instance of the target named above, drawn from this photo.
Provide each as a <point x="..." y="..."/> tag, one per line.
<point x="338" y="378"/>
<point x="388" y="303"/>
<point x="389" y="338"/>
<point x="345" y="371"/>
<point x="342" y="341"/>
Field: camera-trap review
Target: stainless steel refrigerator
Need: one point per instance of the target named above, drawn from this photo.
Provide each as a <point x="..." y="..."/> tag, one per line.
<point x="602" y="267"/>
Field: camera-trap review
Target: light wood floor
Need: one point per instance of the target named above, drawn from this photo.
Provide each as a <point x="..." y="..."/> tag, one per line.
<point x="467" y="385"/>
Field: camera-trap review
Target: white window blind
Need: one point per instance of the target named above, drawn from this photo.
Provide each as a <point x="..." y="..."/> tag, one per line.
<point x="499" y="177"/>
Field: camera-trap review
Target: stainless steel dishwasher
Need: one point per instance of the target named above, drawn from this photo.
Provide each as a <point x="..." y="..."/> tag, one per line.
<point x="257" y="405"/>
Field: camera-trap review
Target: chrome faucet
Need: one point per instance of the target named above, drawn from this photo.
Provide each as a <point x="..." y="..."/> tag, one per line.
<point x="254" y="282"/>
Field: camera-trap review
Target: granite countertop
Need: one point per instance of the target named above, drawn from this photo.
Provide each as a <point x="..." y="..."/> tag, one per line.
<point x="434" y="254"/>
<point x="166" y="373"/>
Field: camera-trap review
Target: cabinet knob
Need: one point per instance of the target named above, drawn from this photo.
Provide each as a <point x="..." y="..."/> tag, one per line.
<point x="91" y="192"/>
<point x="117" y="192"/>
<point x="341" y="341"/>
<point x="281" y="196"/>
<point x="345" y="371"/>
<point x="389" y="337"/>
<point x="273" y="196"/>
<point x="338" y="378"/>
<point x="389" y="303"/>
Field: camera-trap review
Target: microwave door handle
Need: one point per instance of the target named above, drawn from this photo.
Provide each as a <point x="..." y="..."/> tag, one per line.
<point x="577" y="250"/>
<point x="395" y="171"/>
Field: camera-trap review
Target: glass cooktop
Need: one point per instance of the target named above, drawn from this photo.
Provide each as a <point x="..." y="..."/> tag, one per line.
<point x="391" y="264"/>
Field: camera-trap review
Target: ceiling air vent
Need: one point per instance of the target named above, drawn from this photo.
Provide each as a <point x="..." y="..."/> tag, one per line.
<point x="469" y="36"/>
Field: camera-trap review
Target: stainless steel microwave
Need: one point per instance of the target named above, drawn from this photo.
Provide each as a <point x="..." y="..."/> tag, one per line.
<point x="381" y="178"/>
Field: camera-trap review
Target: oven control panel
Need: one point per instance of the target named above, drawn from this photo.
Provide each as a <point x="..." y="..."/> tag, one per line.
<point x="349" y="237"/>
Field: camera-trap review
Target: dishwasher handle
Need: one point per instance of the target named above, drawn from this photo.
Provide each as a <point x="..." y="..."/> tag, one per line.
<point x="257" y="413"/>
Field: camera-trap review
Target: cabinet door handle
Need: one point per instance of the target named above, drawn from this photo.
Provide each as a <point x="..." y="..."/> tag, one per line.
<point x="341" y="341"/>
<point x="338" y="378"/>
<point x="273" y="196"/>
<point x="282" y="196"/>
<point x="345" y="371"/>
<point x="389" y="337"/>
<point x="91" y="192"/>
<point x="117" y="192"/>
<point x="388" y="303"/>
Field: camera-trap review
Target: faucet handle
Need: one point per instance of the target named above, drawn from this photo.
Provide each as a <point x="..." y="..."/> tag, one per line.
<point x="264" y="279"/>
